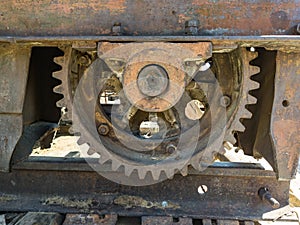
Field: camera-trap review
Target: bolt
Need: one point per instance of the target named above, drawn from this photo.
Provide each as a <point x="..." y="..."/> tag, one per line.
<point x="84" y="60"/>
<point x="194" y="110"/>
<point x="164" y="204"/>
<point x="264" y="194"/>
<point x="225" y="101"/>
<point x="103" y="129"/>
<point x="171" y="148"/>
<point x="192" y="27"/>
<point x="116" y="29"/>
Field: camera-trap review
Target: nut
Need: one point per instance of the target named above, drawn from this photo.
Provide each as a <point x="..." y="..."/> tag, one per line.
<point x="84" y="60"/>
<point x="225" y="101"/>
<point x="171" y="148"/>
<point x="116" y="29"/>
<point x="192" y="27"/>
<point x="103" y="129"/>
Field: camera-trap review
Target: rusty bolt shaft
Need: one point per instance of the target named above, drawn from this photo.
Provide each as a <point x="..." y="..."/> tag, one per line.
<point x="265" y="195"/>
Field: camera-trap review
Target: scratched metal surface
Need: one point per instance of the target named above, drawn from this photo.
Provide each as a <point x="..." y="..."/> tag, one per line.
<point x="147" y="17"/>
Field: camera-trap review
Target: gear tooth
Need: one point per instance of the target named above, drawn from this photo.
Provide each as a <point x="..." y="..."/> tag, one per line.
<point x="230" y="138"/>
<point x="58" y="89"/>
<point x="222" y="151"/>
<point x="103" y="159"/>
<point x="252" y="55"/>
<point x="195" y="164"/>
<point x="128" y="171"/>
<point x="61" y="103"/>
<point x="247" y="114"/>
<point x="91" y="151"/>
<point x="254" y="70"/>
<point x="115" y="165"/>
<point x="169" y="173"/>
<point x="142" y="173"/>
<point x="184" y="171"/>
<point x="251" y="100"/>
<point x="253" y="85"/>
<point x="58" y="74"/>
<point x="239" y="127"/>
<point x="156" y="174"/>
<point x="59" y="60"/>
<point x="80" y="141"/>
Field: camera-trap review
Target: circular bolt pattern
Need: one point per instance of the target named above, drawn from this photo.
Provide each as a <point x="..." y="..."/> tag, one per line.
<point x="225" y="101"/>
<point x="103" y="129"/>
<point x="152" y="80"/>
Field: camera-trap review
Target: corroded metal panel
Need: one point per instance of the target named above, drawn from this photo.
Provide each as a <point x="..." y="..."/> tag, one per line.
<point x="285" y="120"/>
<point x="14" y="63"/>
<point x="10" y="132"/>
<point x="216" y="17"/>
<point x="229" y="193"/>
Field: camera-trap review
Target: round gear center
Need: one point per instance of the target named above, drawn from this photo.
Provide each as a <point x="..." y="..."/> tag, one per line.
<point x="152" y="80"/>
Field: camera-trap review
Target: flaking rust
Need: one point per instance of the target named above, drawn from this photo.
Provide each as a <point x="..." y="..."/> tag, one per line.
<point x="129" y="201"/>
<point x="67" y="202"/>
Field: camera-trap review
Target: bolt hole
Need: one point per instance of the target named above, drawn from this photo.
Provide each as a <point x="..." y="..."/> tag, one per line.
<point x="285" y="103"/>
<point x="175" y="220"/>
<point x="202" y="189"/>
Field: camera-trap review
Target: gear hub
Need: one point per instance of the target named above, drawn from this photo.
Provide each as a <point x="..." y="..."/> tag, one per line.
<point x="152" y="80"/>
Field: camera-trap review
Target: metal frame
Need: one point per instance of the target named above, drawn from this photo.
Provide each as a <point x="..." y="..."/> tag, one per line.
<point x="73" y="187"/>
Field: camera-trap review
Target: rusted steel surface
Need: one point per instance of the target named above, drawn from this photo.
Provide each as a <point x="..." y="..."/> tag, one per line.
<point x="285" y="119"/>
<point x="227" y="197"/>
<point x="216" y="17"/>
<point x="14" y="62"/>
<point x="10" y="132"/>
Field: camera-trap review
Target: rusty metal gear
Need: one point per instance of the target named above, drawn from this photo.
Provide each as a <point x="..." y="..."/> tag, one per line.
<point x="234" y="123"/>
<point x="65" y="87"/>
<point x="245" y="98"/>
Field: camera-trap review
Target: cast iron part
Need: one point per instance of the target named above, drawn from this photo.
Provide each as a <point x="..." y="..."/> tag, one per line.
<point x="265" y="194"/>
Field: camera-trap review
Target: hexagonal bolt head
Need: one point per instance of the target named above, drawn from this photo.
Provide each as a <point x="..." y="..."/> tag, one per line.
<point x="103" y="129"/>
<point x="116" y="29"/>
<point x="192" y="27"/>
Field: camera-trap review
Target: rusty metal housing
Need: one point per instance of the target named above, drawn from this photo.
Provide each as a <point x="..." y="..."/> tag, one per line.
<point x="253" y="48"/>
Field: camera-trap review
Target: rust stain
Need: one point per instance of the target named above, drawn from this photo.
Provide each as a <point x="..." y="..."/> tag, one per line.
<point x="148" y="17"/>
<point x="286" y="133"/>
<point x="114" y="6"/>
<point x="129" y="201"/>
